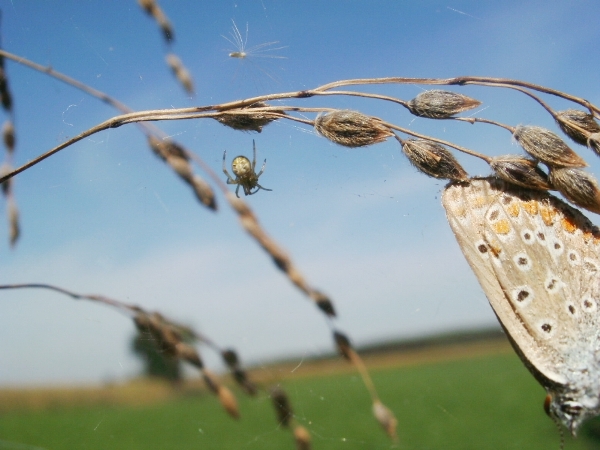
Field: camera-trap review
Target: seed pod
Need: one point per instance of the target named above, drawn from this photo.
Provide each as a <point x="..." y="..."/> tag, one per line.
<point x="167" y="29"/>
<point x="147" y="5"/>
<point x="8" y="134"/>
<point x="386" y="418"/>
<point x="438" y="104"/>
<point x="181" y="73"/>
<point x="343" y="344"/>
<point x="229" y="402"/>
<point x="7" y="185"/>
<point x="204" y="192"/>
<point x="246" y="121"/>
<point x="433" y="159"/>
<point x="211" y="381"/>
<point x="302" y="438"/>
<point x="576" y="124"/>
<point x="240" y="376"/>
<point x="324" y="304"/>
<point x="282" y="406"/>
<point x="521" y="171"/>
<point x="13" y="222"/>
<point x="351" y="128"/>
<point x="189" y="354"/>
<point x="579" y="187"/>
<point x="546" y="146"/>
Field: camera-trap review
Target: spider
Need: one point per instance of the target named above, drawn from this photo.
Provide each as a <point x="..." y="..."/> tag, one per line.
<point x="245" y="173"/>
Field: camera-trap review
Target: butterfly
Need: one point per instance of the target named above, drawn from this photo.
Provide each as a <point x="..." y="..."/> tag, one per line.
<point x="538" y="262"/>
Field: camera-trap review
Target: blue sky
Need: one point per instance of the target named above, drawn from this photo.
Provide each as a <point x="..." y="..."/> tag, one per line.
<point x="106" y="216"/>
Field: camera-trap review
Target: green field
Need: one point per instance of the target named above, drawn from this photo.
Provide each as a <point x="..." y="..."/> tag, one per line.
<point x="487" y="402"/>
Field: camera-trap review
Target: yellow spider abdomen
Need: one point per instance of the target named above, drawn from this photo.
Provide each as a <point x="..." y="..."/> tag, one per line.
<point x="241" y="166"/>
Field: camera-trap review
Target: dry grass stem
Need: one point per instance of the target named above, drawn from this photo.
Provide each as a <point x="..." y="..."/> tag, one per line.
<point x="579" y="187"/>
<point x="438" y="104"/>
<point x="351" y="128"/>
<point x="520" y="171"/>
<point x="546" y="146"/>
<point x="433" y="159"/>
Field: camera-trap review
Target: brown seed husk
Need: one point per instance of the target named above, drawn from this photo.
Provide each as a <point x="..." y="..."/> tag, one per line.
<point x="7" y="185"/>
<point x="147" y="5"/>
<point x="13" y="222"/>
<point x="386" y="418"/>
<point x="8" y="134"/>
<point x="302" y="438"/>
<point x="240" y="376"/>
<point x="547" y="147"/>
<point x="579" y="187"/>
<point x="248" y="121"/>
<point x="229" y="402"/>
<point x="204" y="192"/>
<point x="594" y="143"/>
<point x="188" y="353"/>
<point x="351" y="128"/>
<point x="324" y="304"/>
<point x="211" y="380"/>
<point x="433" y="159"/>
<point x="5" y="96"/>
<point x="281" y="403"/>
<point x="520" y="171"/>
<point x="343" y="344"/>
<point x="576" y="124"/>
<point x="438" y="104"/>
<point x="181" y="73"/>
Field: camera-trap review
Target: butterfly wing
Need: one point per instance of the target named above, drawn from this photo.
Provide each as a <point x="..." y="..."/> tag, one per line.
<point x="536" y="258"/>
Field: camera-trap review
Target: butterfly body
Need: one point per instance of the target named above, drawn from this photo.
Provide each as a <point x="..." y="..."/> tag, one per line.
<point x="538" y="262"/>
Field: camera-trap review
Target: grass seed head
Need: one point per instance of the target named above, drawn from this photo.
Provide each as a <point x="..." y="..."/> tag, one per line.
<point x="13" y="222"/>
<point x="246" y="120"/>
<point x="438" y="104"/>
<point x="302" y="438"/>
<point x="229" y="402"/>
<point x="7" y="185"/>
<point x="231" y="358"/>
<point x="241" y="378"/>
<point x="204" y="193"/>
<point x="325" y="304"/>
<point x="281" y="403"/>
<point x="211" y="380"/>
<point x="351" y="128"/>
<point x="547" y="147"/>
<point x="579" y="187"/>
<point x="8" y="134"/>
<point x="520" y="171"/>
<point x="576" y="124"/>
<point x="181" y="73"/>
<point x="386" y="418"/>
<point x="188" y="353"/>
<point x="343" y="344"/>
<point x="433" y="159"/>
<point x="593" y="142"/>
<point x="147" y="5"/>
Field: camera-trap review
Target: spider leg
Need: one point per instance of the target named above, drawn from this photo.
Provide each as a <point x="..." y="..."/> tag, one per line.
<point x="260" y="187"/>
<point x="237" y="190"/>
<point x="262" y="169"/>
<point x="254" y="155"/>
<point x="230" y="180"/>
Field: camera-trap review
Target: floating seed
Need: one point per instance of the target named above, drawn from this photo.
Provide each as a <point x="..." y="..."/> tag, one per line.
<point x="520" y="171"/>
<point x="282" y="406"/>
<point x="351" y="128"/>
<point x="247" y="121"/>
<point x="546" y="146"/>
<point x="576" y="124"/>
<point x="579" y="187"/>
<point x="438" y="104"/>
<point x="433" y="159"/>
